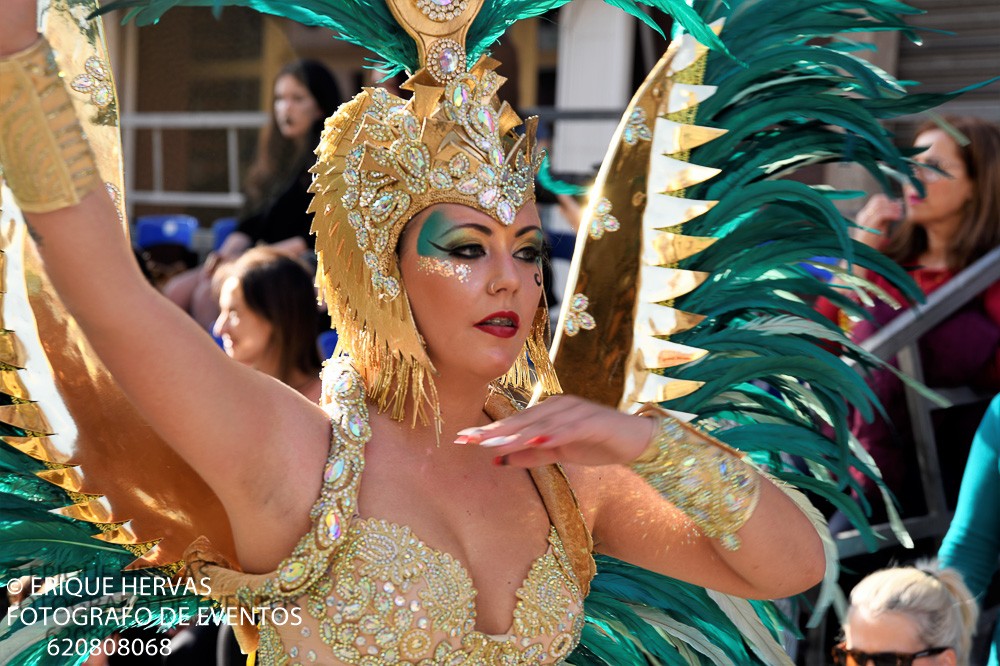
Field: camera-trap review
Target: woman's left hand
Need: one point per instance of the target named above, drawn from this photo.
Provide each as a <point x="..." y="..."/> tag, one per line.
<point x="564" y="429"/>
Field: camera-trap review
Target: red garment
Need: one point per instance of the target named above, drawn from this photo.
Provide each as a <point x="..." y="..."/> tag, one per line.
<point x="964" y="349"/>
<point x="930" y="280"/>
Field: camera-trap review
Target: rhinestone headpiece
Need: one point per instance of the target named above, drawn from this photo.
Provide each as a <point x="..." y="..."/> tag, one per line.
<point x="383" y="159"/>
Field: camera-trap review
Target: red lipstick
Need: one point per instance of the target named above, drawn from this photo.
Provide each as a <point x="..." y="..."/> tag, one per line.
<point x="503" y="324"/>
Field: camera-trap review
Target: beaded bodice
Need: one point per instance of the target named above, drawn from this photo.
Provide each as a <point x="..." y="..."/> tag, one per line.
<point x="371" y="592"/>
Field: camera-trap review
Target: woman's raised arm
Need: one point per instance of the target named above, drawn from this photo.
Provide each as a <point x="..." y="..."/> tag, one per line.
<point x="208" y="408"/>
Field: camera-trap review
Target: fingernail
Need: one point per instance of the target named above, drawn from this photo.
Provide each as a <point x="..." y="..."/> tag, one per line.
<point x="470" y="432"/>
<point x="498" y="441"/>
<point x="461" y="439"/>
<point x="537" y="441"/>
<point x="500" y="461"/>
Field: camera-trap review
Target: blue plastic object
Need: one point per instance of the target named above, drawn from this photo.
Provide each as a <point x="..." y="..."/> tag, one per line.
<point x="221" y="229"/>
<point x="327" y="342"/>
<point x="152" y="230"/>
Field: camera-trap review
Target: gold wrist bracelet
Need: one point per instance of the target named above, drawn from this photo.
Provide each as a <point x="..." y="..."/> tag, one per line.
<point x="701" y="476"/>
<point x="44" y="154"/>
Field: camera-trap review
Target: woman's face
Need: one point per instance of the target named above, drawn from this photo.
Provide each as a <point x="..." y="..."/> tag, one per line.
<point x="890" y="632"/>
<point x="474" y="286"/>
<point x="246" y="336"/>
<point x="945" y="196"/>
<point x="295" y="109"/>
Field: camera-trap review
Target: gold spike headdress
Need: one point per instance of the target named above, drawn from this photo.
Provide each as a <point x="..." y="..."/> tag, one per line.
<point x="382" y="160"/>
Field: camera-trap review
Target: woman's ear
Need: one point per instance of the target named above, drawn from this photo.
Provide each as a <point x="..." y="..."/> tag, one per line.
<point x="948" y="658"/>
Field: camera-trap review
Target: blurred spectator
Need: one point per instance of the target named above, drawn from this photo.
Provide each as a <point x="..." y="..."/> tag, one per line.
<point x="935" y="235"/>
<point x="268" y="318"/>
<point x="277" y="184"/>
<point x="918" y="615"/>
<point x="972" y="544"/>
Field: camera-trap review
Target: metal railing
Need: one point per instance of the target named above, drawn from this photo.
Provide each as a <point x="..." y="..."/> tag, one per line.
<point x="156" y="123"/>
<point x="900" y="338"/>
<point x="231" y="123"/>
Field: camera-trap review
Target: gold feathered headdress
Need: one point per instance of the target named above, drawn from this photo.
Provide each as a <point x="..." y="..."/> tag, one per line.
<point x="382" y="160"/>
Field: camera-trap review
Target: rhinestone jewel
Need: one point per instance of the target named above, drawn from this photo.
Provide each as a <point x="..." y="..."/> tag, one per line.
<point x="440" y="179"/>
<point x="292" y="573"/>
<point x="413" y="156"/>
<point x="102" y="96"/>
<point x="382" y="205"/>
<point x="448" y="60"/>
<point x="506" y="212"/>
<point x="460" y="96"/>
<point x="488" y="196"/>
<point x="333" y="471"/>
<point x="410" y="125"/>
<point x="469" y="186"/>
<point x="459" y="165"/>
<point x="331" y="525"/>
<point x="344" y="383"/>
<point x="486" y="120"/>
<point x="356" y="425"/>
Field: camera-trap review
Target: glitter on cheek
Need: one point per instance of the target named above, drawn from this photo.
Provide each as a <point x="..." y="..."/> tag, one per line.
<point x="444" y="268"/>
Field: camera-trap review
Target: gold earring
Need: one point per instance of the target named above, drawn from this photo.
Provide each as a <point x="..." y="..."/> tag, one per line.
<point x="535" y="352"/>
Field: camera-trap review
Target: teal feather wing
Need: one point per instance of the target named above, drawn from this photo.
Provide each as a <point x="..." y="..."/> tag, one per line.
<point x="635" y="616"/>
<point x="370" y="24"/>
<point x="773" y="382"/>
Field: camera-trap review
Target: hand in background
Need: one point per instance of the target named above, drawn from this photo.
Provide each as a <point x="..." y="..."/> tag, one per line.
<point x="877" y="215"/>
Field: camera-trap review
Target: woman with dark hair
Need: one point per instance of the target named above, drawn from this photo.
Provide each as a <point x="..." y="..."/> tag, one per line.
<point x="304" y="94"/>
<point x="277" y="184"/>
<point x="268" y="318"/>
<point x="956" y="219"/>
<point x="935" y="234"/>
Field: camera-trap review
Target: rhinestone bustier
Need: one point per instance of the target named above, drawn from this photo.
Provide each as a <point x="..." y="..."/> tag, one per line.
<point x="371" y="592"/>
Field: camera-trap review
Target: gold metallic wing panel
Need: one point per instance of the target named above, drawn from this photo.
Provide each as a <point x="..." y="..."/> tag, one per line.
<point x="612" y="343"/>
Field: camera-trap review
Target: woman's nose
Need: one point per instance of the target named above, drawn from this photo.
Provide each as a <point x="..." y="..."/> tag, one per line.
<point x="506" y="276"/>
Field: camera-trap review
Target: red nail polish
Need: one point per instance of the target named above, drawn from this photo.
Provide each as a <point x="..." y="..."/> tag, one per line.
<point x="538" y="441"/>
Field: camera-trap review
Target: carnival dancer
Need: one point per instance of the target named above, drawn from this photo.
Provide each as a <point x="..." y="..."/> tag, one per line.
<point x="432" y="523"/>
<point x="394" y="519"/>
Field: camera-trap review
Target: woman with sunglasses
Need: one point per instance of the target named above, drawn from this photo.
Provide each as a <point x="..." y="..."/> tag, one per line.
<point x="908" y="616"/>
<point x="935" y="232"/>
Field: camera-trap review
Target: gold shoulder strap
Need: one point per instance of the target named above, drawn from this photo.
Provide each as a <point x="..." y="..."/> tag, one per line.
<point x="560" y="503"/>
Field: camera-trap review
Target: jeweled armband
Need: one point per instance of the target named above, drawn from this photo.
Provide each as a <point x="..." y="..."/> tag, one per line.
<point x="44" y="153"/>
<point x="701" y="476"/>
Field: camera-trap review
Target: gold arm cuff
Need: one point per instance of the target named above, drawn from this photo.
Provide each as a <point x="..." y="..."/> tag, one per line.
<point x="701" y="476"/>
<point x="44" y="153"/>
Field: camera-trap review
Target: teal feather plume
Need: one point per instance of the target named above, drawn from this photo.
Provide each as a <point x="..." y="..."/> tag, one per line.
<point x="370" y="24"/>
<point x="627" y="606"/>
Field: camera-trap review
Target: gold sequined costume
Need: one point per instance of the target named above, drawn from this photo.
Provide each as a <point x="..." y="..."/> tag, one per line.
<point x="368" y="591"/>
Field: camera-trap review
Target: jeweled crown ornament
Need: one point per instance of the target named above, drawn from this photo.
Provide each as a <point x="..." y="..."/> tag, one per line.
<point x="383" y="159"/>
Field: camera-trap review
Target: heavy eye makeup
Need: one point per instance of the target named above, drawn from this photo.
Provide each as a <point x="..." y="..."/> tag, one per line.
<point x="464" y="247"/>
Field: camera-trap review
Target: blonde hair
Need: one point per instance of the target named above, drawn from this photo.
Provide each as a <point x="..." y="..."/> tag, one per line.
<point x="937" y="600"/>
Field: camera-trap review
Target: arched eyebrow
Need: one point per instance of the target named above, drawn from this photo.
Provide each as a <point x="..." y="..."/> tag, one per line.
<point x="482" y="228"/>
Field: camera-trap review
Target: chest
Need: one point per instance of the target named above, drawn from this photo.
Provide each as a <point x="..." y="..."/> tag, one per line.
<point x="492" y="523"/>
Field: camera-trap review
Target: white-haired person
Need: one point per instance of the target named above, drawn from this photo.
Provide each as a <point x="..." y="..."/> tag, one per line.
<point x="918" y="615"/>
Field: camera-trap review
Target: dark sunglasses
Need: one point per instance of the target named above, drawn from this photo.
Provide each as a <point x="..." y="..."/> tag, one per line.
<point x="844" y="657"/>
